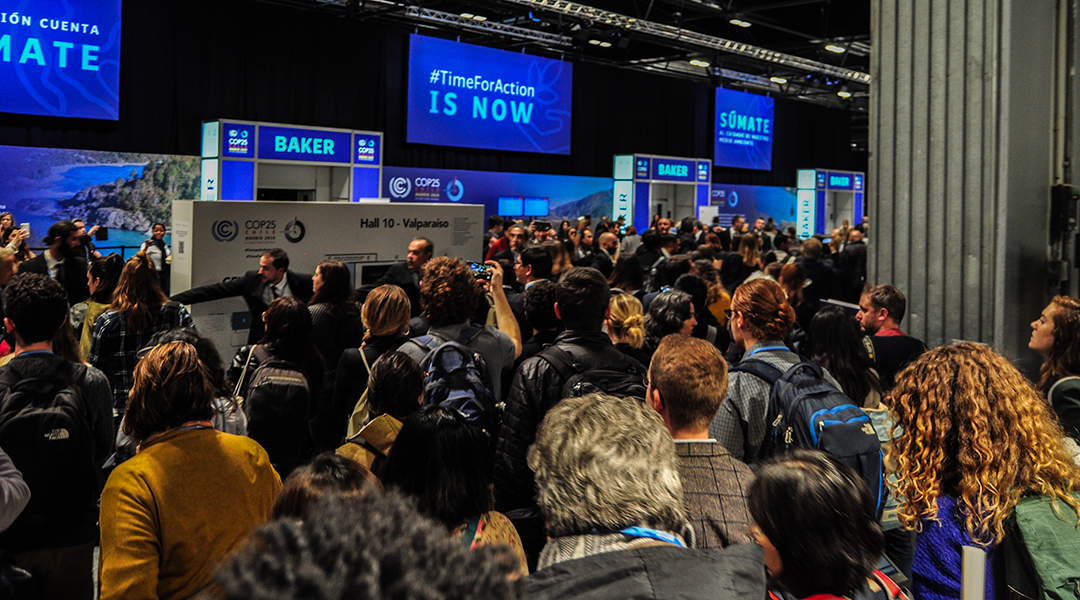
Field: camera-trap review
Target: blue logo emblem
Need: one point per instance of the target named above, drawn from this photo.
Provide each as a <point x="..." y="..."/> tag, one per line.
<point x="225" y="231"/>
<point x="733" y="199"/>
<point x="455" y="190"/>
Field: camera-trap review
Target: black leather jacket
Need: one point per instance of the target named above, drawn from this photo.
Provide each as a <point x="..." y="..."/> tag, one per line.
<point x="536" y="388"/>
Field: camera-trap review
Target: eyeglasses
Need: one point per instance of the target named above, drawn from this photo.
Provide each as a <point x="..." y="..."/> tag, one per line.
<point x="729" y="313"/>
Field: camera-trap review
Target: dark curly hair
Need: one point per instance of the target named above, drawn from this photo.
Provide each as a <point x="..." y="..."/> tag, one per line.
<point x="667" y="313"/>
<point x="371" y="547"/>
<point x="448" y="291"/>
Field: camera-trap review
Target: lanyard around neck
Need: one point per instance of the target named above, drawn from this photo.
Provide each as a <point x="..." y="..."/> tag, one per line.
<point x="642" y="532"/>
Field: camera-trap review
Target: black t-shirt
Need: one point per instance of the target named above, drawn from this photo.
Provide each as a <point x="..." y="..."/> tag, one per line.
<point x="890" y="354"/>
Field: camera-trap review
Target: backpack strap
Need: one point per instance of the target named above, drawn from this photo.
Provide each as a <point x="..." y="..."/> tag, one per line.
<point x="243" y="374"/>
<point x="1069" y="379"/>
<point x="760" y="369"/>
<point x="363" y="359"/>
<point x="562" y="361"/>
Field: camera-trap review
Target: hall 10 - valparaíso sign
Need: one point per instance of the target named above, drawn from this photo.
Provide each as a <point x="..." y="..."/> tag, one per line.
<point x="744" y="130"/>
<point x="476" y="97"/>
<point x="60" y="59"/>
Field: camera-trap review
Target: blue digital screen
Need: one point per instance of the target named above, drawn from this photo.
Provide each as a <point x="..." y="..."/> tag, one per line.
<point x="314" y="145"/>
<point x="744" y="130"/>
<point x="237" y="180"/>
<point x="512" y="207"/>
<point x="239" y="140"/>
<point x="476" y="97"/>
<point x="60" y="58"/>
<point x="536" y="207"/>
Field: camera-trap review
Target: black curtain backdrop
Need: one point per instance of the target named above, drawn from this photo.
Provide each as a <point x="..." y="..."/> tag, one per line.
<point x="188" y="61"/>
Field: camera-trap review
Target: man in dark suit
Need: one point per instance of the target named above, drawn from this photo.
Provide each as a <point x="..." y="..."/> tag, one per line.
<point x="406" y="275"/>
<point x="258" y="288"/>
<point x="59" y="261"/>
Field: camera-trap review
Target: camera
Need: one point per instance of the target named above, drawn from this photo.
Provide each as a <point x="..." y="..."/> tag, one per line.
<point x="543" y="225"/>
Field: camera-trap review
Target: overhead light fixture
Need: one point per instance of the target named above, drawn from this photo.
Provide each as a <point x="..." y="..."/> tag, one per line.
<point x="739" y="22"/>
<point x="467" y="15"/>
<point x="699" y="63"/>
<point x="479" y="18"/>
<point x="605" y="44"/>
<point x="778" y="80"/>
<point x="844" y="93"/>
<point x="836" y="49"/>
<point x="594" y="42"/>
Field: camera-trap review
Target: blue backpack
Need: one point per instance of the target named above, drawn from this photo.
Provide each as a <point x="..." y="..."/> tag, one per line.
<point x="806" y="411"/>
<point x="458" y="378"/>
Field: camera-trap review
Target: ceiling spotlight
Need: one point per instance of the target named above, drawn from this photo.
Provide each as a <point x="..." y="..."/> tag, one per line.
<point x="844" y="93"/>
<point x="836" y="49"/>
<point x="699" y="63"/>
<point x="467" y="15"/>
<point x="479" y="18"/>
<point x="594" y="42"/>
<point x="778" y="80"/>
<point x="739" y="22"/>
<point x="605" y="44"/>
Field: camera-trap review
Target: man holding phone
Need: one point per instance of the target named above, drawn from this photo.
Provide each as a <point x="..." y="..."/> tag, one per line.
<point x="85" y="250"/>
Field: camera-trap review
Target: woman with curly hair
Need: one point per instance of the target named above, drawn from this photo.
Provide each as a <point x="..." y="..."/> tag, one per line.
<point x="669" y="313"/>
<point x="977" y="437"/>
<point x="1056" y="336"/>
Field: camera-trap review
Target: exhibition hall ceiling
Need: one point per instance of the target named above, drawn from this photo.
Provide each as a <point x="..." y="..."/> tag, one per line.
<point x="811" y="50"/>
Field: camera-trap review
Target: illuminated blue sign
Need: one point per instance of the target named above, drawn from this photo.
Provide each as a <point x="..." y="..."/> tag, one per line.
<point x="744" y="130"/>
<point x="60" y="58"/>
<point x="841" y="181"/>
<point x="475" y="97"/>
<point x="239" y="140"/>
<point x="671" y="169"/>
<point x="641" y="168"/>
<point x="703" y="172"/>
<point x="366" y="148"/>
<point x="313" y="145"/>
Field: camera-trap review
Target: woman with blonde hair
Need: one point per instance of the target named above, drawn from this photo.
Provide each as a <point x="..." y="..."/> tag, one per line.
<point x="139" y="310"/>
<point x="977" y="437"/>
<point x="1056" y="336"/>
<point x="626" y="326"/>
<point x="386" y="324"/>
<point x="560" y="258"/>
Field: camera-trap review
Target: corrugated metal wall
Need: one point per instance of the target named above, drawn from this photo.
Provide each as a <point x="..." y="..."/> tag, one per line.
<point x="959" y="166"/>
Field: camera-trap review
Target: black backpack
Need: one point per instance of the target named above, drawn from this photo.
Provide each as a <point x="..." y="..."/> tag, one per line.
<point x="806" y="411"/>
<point x="44" y="428"/>
<point x="623" y="378"/>
<point x="278" y="407"/>
<point x="458" y="378"/>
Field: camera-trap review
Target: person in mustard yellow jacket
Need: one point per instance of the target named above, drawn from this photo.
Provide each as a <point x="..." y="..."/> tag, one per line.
<point x="190" y="495"/>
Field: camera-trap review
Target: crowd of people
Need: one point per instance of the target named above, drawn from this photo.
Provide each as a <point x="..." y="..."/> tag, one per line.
<point x="589" y="413"/>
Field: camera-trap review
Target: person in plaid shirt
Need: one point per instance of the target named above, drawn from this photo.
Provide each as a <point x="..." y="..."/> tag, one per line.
<point x="139" y="310"/>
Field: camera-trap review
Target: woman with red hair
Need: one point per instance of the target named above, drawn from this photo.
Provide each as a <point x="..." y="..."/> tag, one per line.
<point x="760" y="316"/>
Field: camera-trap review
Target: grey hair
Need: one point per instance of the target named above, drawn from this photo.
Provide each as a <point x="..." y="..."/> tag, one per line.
<point x="606" y="463"/>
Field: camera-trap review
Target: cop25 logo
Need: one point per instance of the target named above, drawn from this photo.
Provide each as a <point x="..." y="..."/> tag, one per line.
<point x="455" y="190"/>
<point x="294" y="230"/>
<point x="225" y="230"/>
<point x="400" y="187"/>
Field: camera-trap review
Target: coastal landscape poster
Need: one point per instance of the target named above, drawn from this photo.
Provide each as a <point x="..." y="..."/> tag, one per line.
<point x="125" y="192"/>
